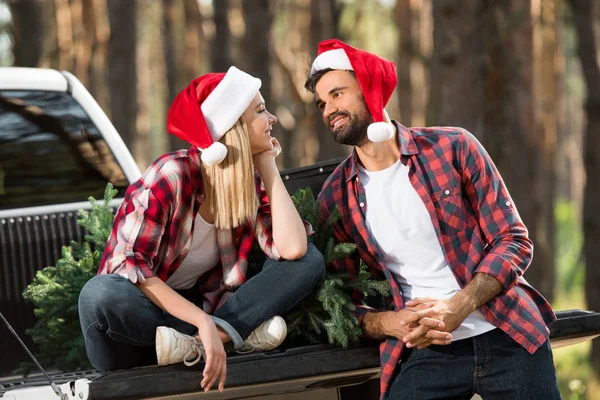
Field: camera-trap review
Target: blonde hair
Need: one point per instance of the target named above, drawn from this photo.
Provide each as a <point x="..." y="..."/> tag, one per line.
<point x="229" y="186"/>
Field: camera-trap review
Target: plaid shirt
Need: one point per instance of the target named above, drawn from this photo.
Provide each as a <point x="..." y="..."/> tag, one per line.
<point x="476" y="222"/>
<point x="152" y="231"/>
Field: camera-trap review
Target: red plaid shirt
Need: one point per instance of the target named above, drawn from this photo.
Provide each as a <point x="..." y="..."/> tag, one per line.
<point x="152" y="231"/>
<point x="477" y="224"/>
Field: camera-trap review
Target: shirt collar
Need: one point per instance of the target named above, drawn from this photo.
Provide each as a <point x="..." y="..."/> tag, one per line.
<point x="406" y="142"/>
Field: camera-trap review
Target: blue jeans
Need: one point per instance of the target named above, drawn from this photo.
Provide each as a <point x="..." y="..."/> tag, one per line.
<point x="119" y="322"/>
<point x="492" y="365"/>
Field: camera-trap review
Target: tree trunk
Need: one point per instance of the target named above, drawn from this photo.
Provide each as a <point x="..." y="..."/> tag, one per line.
<point x="220" y="46"/>
<point x="404" y="19"/>
<point x="457" y="82"/>
<point x="64" y="34"/>
<point x="543" y="275"/>
<point x="27" y="31"/>
<point x="194" y="61"/>
<point x="98" y="84"/>
<point x="583" y="15"/>
<point x="122" y="78"/>
<point x="482" y="80"/>
<point x="324" y="17"/>
<point x="174" y="46"/>
<point x="257" y="44"/>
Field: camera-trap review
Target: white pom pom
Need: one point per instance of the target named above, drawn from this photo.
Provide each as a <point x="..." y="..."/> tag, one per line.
<point x="214" y="154"/>
<point x="380" y="131"/>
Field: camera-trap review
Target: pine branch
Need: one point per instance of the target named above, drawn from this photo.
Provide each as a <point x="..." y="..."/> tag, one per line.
<point x="55" y="291"/>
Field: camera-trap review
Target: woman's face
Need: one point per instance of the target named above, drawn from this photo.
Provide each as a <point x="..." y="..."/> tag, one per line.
<point x="259" y="122"/>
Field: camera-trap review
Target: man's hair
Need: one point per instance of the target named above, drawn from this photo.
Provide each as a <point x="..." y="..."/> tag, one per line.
<point x="229" y="186"/>
<point x="312" y="80"/>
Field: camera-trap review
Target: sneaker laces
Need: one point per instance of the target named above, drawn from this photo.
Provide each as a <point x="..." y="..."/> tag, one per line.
<point x="188" y="345"/>
<point x="255" y="340"/>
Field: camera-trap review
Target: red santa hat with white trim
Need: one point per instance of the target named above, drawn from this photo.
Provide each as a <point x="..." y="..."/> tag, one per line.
<point x="376" y="76"/>
<point x="207" y="109"/>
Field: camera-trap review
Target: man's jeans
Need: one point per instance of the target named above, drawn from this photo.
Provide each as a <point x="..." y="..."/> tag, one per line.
<point x="119" y="322"/>
<point x="492" y="365"/>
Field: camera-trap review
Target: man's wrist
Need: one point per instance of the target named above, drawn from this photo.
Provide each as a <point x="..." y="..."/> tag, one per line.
<point x="464" y="303"/>
<point x="374" y="325"/>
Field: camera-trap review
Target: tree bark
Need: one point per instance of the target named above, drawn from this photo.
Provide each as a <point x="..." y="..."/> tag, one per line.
<point x="457" y="83"/>
<point x="587" y="50"/>
<point x="482" y="80"/>
<point x="27" y="31"/>
<point x="404" y="19"/>
<point x="174" y="51"/>
<point x="220" y="46"/>
<point x="122" y="77"/>
<point x="324" y="18"/>
<point x="543" y="275"/>
<point x="98" y="84"/>
<point x="257" y="43"/>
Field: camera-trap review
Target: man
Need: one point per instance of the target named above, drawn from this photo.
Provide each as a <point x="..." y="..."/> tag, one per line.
<point x="429" y="211"/>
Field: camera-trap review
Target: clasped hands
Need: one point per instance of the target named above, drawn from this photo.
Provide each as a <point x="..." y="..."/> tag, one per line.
<point x="427" y="321"/>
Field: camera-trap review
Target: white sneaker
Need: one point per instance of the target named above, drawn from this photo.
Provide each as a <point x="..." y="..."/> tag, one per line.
<point x="267" y="336"/>
<point x="173" y="347"/>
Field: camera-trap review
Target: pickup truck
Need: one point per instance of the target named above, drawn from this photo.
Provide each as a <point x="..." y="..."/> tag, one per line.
<point x="57" y="148"/>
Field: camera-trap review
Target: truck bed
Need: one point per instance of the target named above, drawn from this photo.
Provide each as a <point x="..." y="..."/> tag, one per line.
<point x="283" y="371"/>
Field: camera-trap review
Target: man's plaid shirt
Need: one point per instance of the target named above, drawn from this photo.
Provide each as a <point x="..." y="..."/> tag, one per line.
<point x="477" y="224"/>
<point x="153" y="228"/>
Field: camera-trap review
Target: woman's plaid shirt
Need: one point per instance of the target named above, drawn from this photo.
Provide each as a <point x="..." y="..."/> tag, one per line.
<point x="153" y="228"/>
<point x="477" y="224"/>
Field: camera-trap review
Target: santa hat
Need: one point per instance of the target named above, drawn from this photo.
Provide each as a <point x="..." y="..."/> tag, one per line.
<point x="205" y="110"/>
<point x="376" y="77"/>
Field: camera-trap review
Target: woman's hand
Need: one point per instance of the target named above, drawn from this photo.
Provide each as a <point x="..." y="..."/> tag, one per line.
<point x="268" y="155"/>
<point x="216" y="358"/>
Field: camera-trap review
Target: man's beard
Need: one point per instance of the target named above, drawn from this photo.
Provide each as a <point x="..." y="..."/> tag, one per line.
<point x="355" y="131"/>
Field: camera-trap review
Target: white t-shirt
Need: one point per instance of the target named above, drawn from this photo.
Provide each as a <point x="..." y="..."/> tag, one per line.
<point x="202" y="257"/>
<point x="398" y="220"/>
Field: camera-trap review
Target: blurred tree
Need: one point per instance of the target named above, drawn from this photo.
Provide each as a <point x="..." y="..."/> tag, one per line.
<point x="220" y="45"/>
<point x="181" y="18"/>
<point x="482" y="80"/>
<point x="96" y="20"/>
<point x="404" y="17"/>
<point x="457" y="83"/>
<point x="587" y="50"/>
<point x="64" y="34"/>
<point x="28" y="32"/>
<point x="257" y="44"/>
<point x="324" y="24"/>
<point x="547" y="97"/>
<point x="122" y="74"/>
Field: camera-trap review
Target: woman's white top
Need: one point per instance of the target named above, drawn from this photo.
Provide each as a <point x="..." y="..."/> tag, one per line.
<point x="202" y="257"/>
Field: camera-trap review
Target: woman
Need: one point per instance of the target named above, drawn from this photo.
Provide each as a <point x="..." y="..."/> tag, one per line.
<point x="172" y="282"/>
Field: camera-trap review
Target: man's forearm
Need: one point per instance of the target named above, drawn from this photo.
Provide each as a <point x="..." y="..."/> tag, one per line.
<point x="481" y="289"/>
<point x="374" y="325"/>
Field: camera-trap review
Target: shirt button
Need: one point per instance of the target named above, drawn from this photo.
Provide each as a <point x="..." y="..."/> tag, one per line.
<point x="447" y="191"/>
<point x="362" y="204"/>
<point x="508" y="203"/>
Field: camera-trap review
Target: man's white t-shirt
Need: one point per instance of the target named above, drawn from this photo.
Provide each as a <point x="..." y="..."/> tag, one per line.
<point x="398" y="220"/>
<point x="202" y="257"/>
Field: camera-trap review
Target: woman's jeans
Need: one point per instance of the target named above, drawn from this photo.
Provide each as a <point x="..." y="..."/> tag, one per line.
<point x="119" y="322"/>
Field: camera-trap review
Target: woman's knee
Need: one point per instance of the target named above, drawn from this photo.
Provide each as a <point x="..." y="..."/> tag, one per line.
<point x="100" y="292"/>
<point x="314" y="263"/>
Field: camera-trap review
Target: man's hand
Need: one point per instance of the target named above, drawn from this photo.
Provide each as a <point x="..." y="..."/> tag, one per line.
<point x="451" y="312"/>
<point x="409" y="321"/>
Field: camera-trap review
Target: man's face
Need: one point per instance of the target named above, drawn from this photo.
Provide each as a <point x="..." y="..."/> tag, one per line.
<point x="343" y="108"/>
